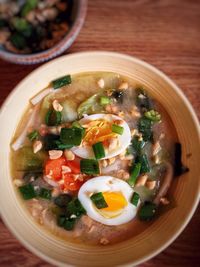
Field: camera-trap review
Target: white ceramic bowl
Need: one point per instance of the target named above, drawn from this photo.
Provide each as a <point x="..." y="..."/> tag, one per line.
<point x="166" y="228"/>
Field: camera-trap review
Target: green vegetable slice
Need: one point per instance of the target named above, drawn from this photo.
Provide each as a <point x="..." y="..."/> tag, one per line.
<point x="53" y="117"/>
<point x="62" y="81"/>
<point x="104" y="100"/>
<point x="99" y="201"/>
<point x="145" y="167"/>
<point x="27" y="191"/>
<point x="66" y="223"/>
<point x="18" y="40"/>
<point x="44" y="193"/>
<point x="62" y="200"/>
<point x="145" y="127"/>
<point x="33" y="135"/>
<point x="147" y="211"/>
<point x="71" y="136"/>
<point x="74" y="207"/>
<point x="89" y="166"/>
<point x="153" y="115"/>
<point x="28" y="6"/>
<point x="22" y="26"/>
<point x="99" y="151"/>
<point x="117" y="129"/>
<point x="134" y="174"/>
<point x="135" y="199"/>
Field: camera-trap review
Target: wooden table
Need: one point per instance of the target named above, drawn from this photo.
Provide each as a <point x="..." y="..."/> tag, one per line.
<point x="165" y="33"/>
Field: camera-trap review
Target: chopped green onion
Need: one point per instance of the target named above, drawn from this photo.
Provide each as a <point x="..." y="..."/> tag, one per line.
<point x="53" y="118"/>
<point x="99" y="201"/>
<point x="18" y="40"/>
<point x="44" y="193"/>
<point x="137" y="145"/>
<point x="153" y="115"/>
<point x="76" y="124"/>
<point x="71" y="136"/>
<point x="27" y="191"/>
<point x="99" y="151"/>
<point x="28" y="6"/>
<point x="60" y="82"/>
<point x="134" y="174"/>
<point x="74" y="207"/>
<point x="135" y="198"/>
<point x="144" y="163"/>
<point x="62" y="200"/>
<point x="104" y="100"/>
<point x="145" y="127"/>
<point x="142" y="100"/>
<point x="147" y="211"/>
<point x="117" y="129"/>
<point x="66" y="223"/>
<point x="33" y="135"/>
<point x="61" y="146"/>
<point x="22" y="26"/>
<point x="89" y="166"/>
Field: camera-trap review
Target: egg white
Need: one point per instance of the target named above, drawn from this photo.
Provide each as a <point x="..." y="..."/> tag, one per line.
<point x="107" y="184"/>
<point x="124" y="139"/>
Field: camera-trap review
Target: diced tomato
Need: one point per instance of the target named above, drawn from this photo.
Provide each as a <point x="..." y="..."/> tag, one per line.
<point x="53" y="167"/>
<point x="74" y="165"/>
<point x="70" y="183"/>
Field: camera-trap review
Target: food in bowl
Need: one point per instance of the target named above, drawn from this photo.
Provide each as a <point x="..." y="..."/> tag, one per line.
<point x="93" y="158"/>
<point x="33" y="26"/>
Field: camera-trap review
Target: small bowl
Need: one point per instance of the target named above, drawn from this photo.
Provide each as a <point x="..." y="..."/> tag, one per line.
<point x="157" y="236"/>
<point x="78" y="17"/>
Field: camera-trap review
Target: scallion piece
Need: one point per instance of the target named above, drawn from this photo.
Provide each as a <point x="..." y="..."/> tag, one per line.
<point x="117" y="129"/>
<point x="147" y="211"/>
<point x="75" y="207"/>
<point x="89" y="166"/>
<point x="99" y="201"/>
<point x="142" y="159"/>
<point x="76" y="124"/>
<point x="153" y="115"/>
<point x="53" y="118"/>
<point x="44" y="193"/>
<point x="28" y="6"/>
<point x="104" y="100"/>
<point x="71" y="136"/>
<point x="33" y="135"/>
<point x="60" y="82"/>
<point x="134" y="174"/>
<point x="66" y="223"/>
<point x="99" y="151"/>
<point x="27" y="191"/>
<point x="135" y="199"/>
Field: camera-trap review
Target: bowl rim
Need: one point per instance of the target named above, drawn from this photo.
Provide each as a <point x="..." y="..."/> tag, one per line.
<point x="183" y="98"/>
<point x="57" y="49"/>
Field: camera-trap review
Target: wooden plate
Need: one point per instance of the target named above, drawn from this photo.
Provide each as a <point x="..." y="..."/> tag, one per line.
<point x="165" y="229"/>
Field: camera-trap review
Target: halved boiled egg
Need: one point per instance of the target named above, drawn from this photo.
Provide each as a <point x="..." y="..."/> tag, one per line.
<point x="98" y="128"/>
<point x="117" y="194"/>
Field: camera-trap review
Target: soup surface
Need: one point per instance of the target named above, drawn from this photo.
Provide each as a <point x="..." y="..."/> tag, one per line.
<point x="92" y="158"/>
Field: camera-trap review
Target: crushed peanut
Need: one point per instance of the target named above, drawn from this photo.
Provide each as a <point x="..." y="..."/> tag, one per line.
<point x="18" y="182"/>
<point x="57" y="106"/>
<point x="55" y="154"/>
<point x="164" y="201"/>
<point x="101" y="83"/>
<point x="156" y="148"/>
<point x="150" y="184"/>
<point x="66" y="169"/>
<point x="141" y="180"/>
<point x="123" y="86"/>
<point x="111" y="160"/>
<point x="121" y="114"/>
<point x="104" y="163"/>
<point x="69" y="154"/>
<point x="104" y="241"/>
<point x="37" y="146"/>
<point x="123" y="174"/>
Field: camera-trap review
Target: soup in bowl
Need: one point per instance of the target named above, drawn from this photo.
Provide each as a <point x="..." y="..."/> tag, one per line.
<point x="95" y="160"/>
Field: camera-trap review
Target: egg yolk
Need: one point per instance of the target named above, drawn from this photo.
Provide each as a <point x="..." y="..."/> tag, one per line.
<point x="115" y="201"/>
<point x="98" y="131"/>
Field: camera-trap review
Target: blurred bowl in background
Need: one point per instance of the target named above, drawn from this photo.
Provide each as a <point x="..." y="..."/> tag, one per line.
<point x="78" y="15"/>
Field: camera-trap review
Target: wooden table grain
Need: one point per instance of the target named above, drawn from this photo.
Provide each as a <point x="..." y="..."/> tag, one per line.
<point x="165" y="33"/>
